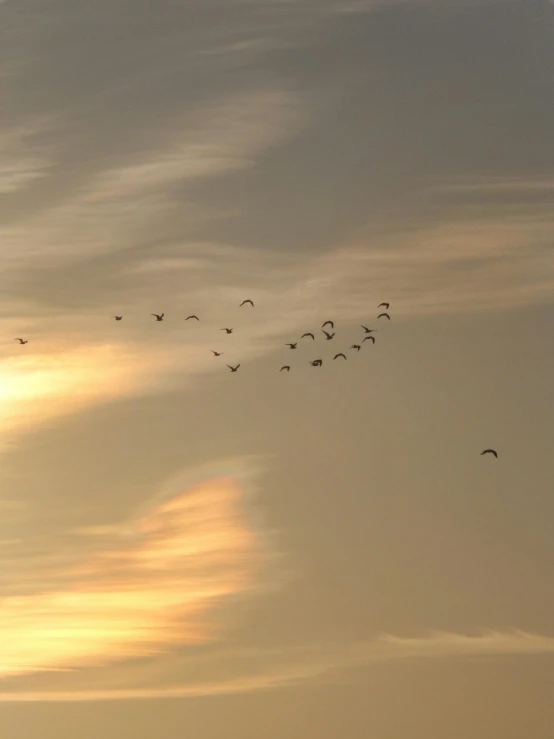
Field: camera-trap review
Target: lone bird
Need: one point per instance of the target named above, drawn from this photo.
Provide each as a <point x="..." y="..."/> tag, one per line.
<point x="21" y="341"/>
<point x="370" y="338"/>
<point x="383" y="315"/>
<point x="233" y="369"/>
<point x="356" y="346"/>
<point x="490" y="451"/>
<point x="340" y="354"/>
<point x="328" y="323"/>
<point x="118" y="318"/>
<point x="189" y="317"/>
<point x="292" y="346"/>
<point x="285" y="367"/>
<point x="159" y="317"/>
<point x="246" y="301"/>
<point x="317" y="363"/>
<point x="368" y="330"/>
<point x="328" y="337"/>
<point x="308" y="334"/>
<point x="227" y="330"/>
<point x="386" y="306"/>
<point x="216" y="354"/>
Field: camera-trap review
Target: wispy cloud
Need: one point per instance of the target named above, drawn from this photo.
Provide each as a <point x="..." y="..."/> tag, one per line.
<point x="154" y="586"/>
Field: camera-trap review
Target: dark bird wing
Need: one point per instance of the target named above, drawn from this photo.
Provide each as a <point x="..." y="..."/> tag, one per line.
<point x="339" y="355"/>
<point x="490" y="451"/>
<point x="383" y="315"/>
<point x="285" y="367"/>
<point x="386" y="306"/>
<point x="308" y="334"/>
<point x="369" y="338"/>
<point x="247" y="301"/>
<point x="188" y="317"/>
<point x="356" y="346"/>
<point x="328" y="323"/>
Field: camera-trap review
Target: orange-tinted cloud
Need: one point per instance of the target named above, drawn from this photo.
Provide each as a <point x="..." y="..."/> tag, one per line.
<point x="154" y="588"/>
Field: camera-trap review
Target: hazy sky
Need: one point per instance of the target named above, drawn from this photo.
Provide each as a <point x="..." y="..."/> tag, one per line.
<point x="321" y="553"/>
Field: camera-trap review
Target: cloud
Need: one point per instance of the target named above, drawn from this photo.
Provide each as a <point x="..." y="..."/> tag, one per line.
<point x="154" y="586"/>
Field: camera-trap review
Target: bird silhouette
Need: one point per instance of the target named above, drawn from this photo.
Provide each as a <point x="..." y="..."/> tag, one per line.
<point x="285" y="367"/>
<point x="21" y="341"/>
<point x="386" y="306"/>
<point x="370" y="338"/>
<point x="317" y="363"/>
<point x="246" y="301"/>
<point x="159" y="317"/>
<point x="118" y="318"/>
<point x="328" y="323"/>
<point x="368" y="330"/>
<point x="356" y="346"/>
<point x="308" y="334"/>
<point x="233" y="369"/>
<point x="292" y="346"/>
<point x="383" y="315"/>
<point x="216" y="354"/>
<point x="328" y="337"/>
<point x="227" y="330"/>
<point x="490" y="451"/>
<point x="340" y="354"/>
<point x="189" y="317"/>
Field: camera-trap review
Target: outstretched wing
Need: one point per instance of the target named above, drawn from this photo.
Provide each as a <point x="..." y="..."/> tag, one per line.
<point x="328" y="323"/>
<point x="490" y="451"/>
<point x="246" y="301"/>
<point x="187" y="318"/>
<point x="308" y="334"/>
<point x="383" y="315"/>
<point x="384" y="305"/>
<point x="369" y="338"/>
<point x="339" y="355"/>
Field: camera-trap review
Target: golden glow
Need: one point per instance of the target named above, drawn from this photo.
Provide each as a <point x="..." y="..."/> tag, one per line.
<point x="156" y="587"/>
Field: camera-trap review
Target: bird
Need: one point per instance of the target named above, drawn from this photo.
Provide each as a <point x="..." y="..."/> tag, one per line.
<point x="371" y="338"/>
<point x="340" y="354"/>
<point x="233" y="369"/>
<point x="285" y="367"/>
<point x="216" y="354"/>
<point x="386" y="306"/>
<point x="383" y="315"/>
<point x="189" y="317"/>
<point x="356" y="346"/>
<point x="328" y="337"/>
<point x="369" y="330"/>
<point x="328" y="323"/>
<point x="227" y="330"/>
<point x="21" y="341"/>
<point x="159" y="317"/>
<point x="118" y="318"/>
<point x="246" y="301"/>
<point x="292" y="346"/>
<point x="308" y="334"/>
<point x="490" y="451"/>
<point x="317" y="363"/>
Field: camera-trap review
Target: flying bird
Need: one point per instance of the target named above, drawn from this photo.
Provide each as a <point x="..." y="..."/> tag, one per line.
<point x="21" y="341"/>
<point x="383" y="315"/>
<point x="189" y="317"/>
<point x="386" y="306"/>
<point x="356" y="346"/>
<point x="233" y="369"/>
<point x="118" y="318"/>
<point x="317" y="363"/>
<point x="227" y="330"/>
<point x="308" y="334"/>
<point x="490" y="451"/>
<point x="368" y="330"/>
<point x="286" y="367"/>
<point x="216" y="354"/>
<point x="340" y="354"/>
<point x="371" y="338"/>
<point x="159" y="317"/>
<point x="328" y="323"/>
<point x="292" y="346"/>
<point x="246" y="301"/>
<point x="328" y="337"/>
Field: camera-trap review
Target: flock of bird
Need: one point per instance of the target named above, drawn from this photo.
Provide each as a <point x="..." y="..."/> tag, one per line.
<point x="368" y="336"/>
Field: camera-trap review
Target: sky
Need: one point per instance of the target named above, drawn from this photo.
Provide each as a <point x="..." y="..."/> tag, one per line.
<point x="320" y="553"/>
